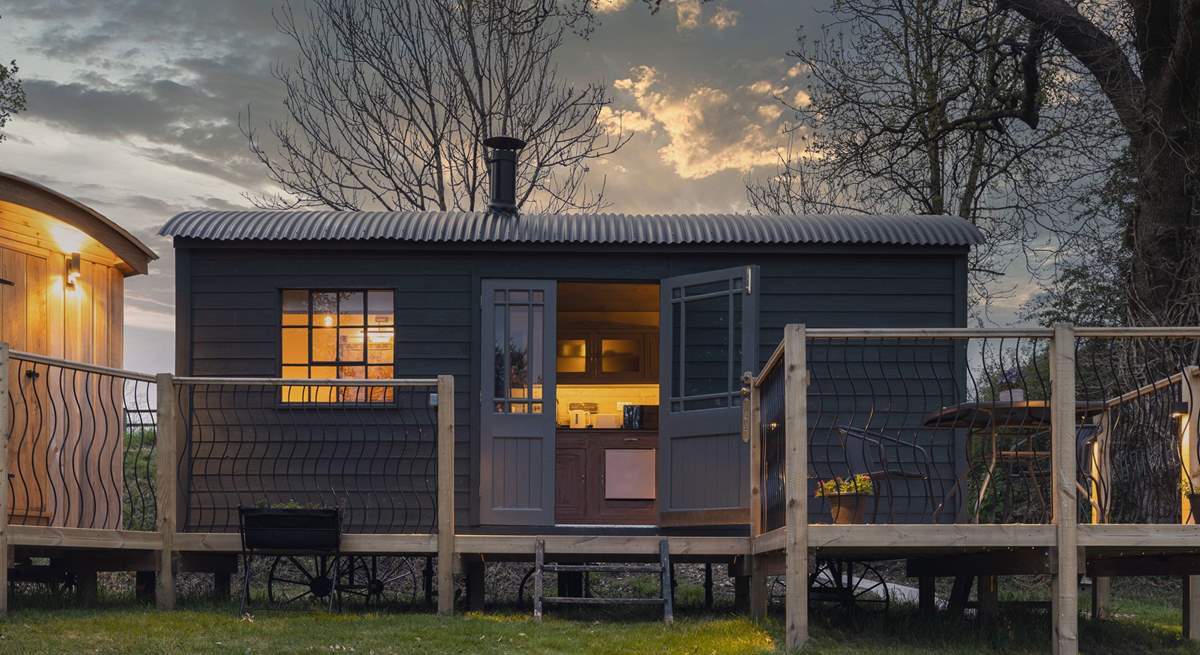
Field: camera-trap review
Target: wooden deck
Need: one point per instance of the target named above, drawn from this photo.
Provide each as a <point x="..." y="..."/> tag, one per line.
<point x="1063" y="548"/>
<point x="880" y="542"/>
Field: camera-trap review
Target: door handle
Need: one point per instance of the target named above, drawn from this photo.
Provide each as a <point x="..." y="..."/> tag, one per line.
<point x="630" y="439"/>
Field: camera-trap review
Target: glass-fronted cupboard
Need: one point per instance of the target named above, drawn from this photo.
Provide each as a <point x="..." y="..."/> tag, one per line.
<point x="607" y="356"/>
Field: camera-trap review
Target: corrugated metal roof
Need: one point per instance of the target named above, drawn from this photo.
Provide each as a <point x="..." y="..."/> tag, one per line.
<point x="651" y="229"/>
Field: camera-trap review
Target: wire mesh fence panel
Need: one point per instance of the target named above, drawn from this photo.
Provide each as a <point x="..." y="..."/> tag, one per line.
<point x="773" y="430"/>
<point x="917" y="430"/>
<point x="1137" y="463"/>
<point x="81" y="449"/>
<point x="368" y="449"/>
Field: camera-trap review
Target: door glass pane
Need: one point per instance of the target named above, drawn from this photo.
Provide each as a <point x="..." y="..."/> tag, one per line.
<point x="518" y="350"/>
<point x="572" y="356"/>
<point x="500" y="345"/>
<point x="735" y="358"/>
<point x="620" y="355"/>
<point x="535" y="351"/>
<point x="677" y="350"/>
<point x="706" y="353"/>
<point x="707" y="287"/>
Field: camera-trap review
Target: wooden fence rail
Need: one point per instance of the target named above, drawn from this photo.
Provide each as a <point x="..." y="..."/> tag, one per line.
<point x="1061" y="536"/>
<point x="166" y="541"/>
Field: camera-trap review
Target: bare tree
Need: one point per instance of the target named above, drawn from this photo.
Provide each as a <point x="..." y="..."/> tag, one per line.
<point x="389" y="101"/>
<point x="943" y="107"/>
<point x="12" y="96"/>
<point x="1145" y="57"/>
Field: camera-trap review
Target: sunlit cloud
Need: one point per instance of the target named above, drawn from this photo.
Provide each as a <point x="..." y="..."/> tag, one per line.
<point x="706" y="130"/>
<point x="770" y="112"/>
<point x="609" y="6"/>
<point x="724" y="18"/>
<point x="687" y="13"/>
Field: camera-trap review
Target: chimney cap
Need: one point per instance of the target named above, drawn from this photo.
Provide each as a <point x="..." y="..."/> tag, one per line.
<point x="504" y="143"/>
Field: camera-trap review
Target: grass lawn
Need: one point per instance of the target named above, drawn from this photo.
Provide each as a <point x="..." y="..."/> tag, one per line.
<point x="1140" y="627"/>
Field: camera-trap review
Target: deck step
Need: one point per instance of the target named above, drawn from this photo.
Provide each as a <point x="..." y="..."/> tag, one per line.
<point x="571" y="600"/>
<point x="662" y="569"/>
<point x="602" y="568"/>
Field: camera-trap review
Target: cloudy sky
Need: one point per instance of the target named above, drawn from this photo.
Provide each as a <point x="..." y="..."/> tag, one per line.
<point x="134" y="109"/>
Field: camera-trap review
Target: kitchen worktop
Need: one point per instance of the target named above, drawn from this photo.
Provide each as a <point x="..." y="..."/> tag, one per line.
<point x="586" y="431"/>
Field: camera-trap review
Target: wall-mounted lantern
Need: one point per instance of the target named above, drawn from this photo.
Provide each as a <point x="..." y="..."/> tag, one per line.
<point x="73" y="269"/>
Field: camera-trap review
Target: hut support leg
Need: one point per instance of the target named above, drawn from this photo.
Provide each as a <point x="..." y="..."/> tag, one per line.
<point x="741" y="592"/>
<point x="988" y="594"/>
<point x="926" y="599"/>
<point x="708" y="586"/>
<point x="1191" y="607"/>
<point x="1101" y="597"/>
<point x="143" y="585"/>
<point x="475" y="570"/>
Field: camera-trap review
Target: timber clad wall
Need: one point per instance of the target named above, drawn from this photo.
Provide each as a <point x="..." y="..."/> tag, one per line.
<point x="229" y="302"/>
<point x="38" y="315"/>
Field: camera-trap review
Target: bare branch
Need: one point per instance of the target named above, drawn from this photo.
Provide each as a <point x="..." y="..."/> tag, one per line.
<point x="388" y="102"/>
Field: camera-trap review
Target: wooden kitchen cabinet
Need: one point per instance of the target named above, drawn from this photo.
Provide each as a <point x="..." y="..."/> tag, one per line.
<point x="582" y="492"/>
<point x="615" y="356"/>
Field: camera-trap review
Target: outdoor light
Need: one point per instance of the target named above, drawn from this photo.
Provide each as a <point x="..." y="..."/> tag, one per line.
<point x="72" y="269"/>
<point x="1179" y="409"/>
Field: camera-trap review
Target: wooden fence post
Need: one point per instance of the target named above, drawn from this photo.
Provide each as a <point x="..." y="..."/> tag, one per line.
<point x="6" y="422"/>
<point x="796" y="479"/>
<point x="445" y="493"/>
<point x="165" y="441"/>
<point x="1190" y="482"/>
<point x="751" y="406"/>
<point x="1065" y="591"/>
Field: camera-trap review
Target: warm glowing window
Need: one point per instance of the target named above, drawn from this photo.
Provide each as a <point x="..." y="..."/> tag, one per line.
<point x="340" y="334"/>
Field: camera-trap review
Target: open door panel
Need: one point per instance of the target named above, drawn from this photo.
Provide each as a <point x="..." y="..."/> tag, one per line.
<point x="709" y="338"/>
<point x="518" y="389"/>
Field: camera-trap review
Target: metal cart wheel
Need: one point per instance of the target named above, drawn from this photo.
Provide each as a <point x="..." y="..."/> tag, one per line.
<point x="295" y="579"/>
<point x="376" y="579"/>
<point x="521" y="601"/>
<point x="849" y="585"/>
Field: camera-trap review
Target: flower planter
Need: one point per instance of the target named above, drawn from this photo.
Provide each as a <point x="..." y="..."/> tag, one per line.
<point x="1194" y="501"/>
<point x="848" y="509"/>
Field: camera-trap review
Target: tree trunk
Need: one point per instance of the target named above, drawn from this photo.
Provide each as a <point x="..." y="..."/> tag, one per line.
<point x="1165" y="273"/>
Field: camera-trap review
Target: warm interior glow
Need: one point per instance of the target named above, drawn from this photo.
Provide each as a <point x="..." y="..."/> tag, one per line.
<point x="609" y="398"/>
<point x="340" y="338"/>
<point x="66" y="237"/>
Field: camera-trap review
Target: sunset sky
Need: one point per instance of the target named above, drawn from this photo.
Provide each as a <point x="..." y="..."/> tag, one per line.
<point x="134" y="106"/>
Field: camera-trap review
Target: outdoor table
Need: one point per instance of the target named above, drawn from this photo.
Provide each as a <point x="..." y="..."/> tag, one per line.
<point x="989" y="418"/>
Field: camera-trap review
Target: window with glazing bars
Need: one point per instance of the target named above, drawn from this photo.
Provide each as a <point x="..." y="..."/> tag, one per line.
<point x="338" y="334"/>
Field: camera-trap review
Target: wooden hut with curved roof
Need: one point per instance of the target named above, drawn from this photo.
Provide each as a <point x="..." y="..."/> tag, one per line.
<point x="64" y="267"/>
<point x="62" y="295"/>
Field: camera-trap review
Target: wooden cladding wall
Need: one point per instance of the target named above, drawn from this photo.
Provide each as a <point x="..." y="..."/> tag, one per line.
<point x="228" y="299"/>
<point x="41" y="315"/>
